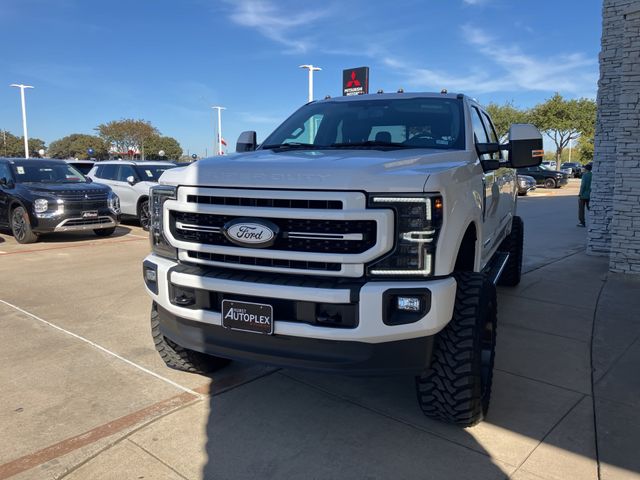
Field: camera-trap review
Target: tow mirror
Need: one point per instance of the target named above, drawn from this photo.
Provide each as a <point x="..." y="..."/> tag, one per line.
<point x="525" y="146"/>
<point x="247" y="142"/>
<point x="131" y="180"/>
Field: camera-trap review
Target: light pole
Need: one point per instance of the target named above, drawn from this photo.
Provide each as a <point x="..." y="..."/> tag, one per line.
<point x="219" y="127"/>
<point x="311" y="69"/>
<point x="24" y="116"/>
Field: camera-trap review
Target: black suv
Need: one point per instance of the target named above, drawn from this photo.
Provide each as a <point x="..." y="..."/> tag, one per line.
<point x="546" y="176"/>
<point x="41" y="196"/>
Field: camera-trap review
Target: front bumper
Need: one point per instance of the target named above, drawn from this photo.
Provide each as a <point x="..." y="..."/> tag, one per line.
<point x="361" y="348"/>
<point x="74" y="221"/>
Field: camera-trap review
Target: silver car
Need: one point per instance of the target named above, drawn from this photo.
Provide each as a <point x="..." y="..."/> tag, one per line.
<point x="131" y="181"/>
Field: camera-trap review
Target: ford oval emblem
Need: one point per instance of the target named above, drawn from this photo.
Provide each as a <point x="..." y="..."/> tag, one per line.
<point x="248" y="232"/>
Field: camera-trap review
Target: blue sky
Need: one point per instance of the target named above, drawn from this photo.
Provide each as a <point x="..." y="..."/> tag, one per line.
<point x="169" y="61"/>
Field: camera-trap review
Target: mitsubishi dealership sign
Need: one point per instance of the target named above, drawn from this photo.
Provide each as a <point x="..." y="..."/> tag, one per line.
<point x="355" y="81"/>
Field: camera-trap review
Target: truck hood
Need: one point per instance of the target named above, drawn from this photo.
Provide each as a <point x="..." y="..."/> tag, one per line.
<point x="368" y="170"/>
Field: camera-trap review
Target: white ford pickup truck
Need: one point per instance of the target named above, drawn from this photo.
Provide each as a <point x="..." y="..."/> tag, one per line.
<point x="365" y="235"/>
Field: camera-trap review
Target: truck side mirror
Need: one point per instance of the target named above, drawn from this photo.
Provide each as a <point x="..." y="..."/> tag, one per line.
<point x="525" y="146"/>
<point x="247" y="142"/>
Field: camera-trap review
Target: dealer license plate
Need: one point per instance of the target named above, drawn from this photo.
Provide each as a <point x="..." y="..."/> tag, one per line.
<point x="90" y="214"/>
<point x="247" y="316"/>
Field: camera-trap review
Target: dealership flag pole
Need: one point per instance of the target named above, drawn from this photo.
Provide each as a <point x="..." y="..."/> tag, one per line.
<point x="24" y="116"/>
<point x="219" y="127"/>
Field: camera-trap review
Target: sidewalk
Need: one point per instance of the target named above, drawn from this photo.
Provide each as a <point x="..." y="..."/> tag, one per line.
<point x="293" y="424"/>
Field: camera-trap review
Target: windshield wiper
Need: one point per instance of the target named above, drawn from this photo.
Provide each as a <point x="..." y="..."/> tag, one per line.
<point x="370" y="143"/>
<point x="290" y="145"/>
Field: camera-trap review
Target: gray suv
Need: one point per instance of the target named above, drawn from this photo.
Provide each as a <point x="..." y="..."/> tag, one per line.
<point x="131" y="180"/>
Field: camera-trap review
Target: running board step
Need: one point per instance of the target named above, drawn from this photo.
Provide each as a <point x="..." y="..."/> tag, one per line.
<point x="494" y="268"/>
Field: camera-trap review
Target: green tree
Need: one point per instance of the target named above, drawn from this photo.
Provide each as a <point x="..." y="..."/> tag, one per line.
<point x="564" y="120"/>
<point x="504" y="115"/>
<point x="12" y="146"/>
<point x="170" y="146"/>
<point x="585" y="148"/>
<point x="127" y="134"/>
<point x="77" y="145"/>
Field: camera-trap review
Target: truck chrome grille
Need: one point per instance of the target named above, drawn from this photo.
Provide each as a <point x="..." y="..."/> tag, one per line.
<point x="296" y="234"/>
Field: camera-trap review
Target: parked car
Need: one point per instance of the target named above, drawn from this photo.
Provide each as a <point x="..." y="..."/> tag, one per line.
<point x="549" y="177"/>
<point x="525" y="184"/>
<point x="575" y="167"/>
<point x="131" y="181"/>
<point x="41" y="196"/>
<point x="83" y="166"/>
<point x="549" y="164"/>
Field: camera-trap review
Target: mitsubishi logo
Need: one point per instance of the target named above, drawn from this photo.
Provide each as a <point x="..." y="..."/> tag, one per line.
<point x="354" y="82"/>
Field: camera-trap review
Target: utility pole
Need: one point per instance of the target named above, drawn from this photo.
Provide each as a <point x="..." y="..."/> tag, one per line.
<point x="24" y="116"/>
<point x="219" y="142"/>
<point x="311" y="69"/>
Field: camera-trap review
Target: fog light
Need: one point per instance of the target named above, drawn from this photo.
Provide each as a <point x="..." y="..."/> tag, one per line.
<point x="409" y="304"/>
<point x="151" y="275"/>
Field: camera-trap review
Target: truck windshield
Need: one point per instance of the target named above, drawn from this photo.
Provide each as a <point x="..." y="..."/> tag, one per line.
<point x="380" y="124"/>
<point x="151" y="173"/>
<point x="33" y="171"/>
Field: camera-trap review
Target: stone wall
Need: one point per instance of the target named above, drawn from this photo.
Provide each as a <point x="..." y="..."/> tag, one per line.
<point x="614" y="219"/>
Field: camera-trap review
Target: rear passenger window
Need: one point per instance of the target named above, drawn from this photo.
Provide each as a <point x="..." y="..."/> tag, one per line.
<point x="107" y="172"/>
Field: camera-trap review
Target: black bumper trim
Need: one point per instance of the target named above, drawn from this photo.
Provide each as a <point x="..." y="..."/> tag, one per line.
<point x="410" y="356"/>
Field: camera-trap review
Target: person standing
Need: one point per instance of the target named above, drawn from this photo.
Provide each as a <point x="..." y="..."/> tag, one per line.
<point x="584" y="195"/>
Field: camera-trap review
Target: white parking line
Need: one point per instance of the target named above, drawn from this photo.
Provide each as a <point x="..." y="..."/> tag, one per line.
<point x="105" y="350"/>
<point x="139" y="236"/>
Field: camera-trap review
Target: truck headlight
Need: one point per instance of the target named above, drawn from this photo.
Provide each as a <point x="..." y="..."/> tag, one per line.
<point x="417" y="221"/>
<point x="41" y="205"/>
<point x="159" y="244"/>
<point x="113" y="202"/>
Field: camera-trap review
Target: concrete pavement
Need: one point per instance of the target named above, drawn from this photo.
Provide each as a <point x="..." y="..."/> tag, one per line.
<point x="72" y="410"/>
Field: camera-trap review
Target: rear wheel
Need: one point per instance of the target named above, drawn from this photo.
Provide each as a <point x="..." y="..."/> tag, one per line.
<point x="457" y="386"/>
<point x="513" y="245"/>
<point x="549" y="183"/>
<point x="104" y="232"/>
<point x="21" y="226"/>
<point x="180" y="358"/>
<point x="143" y="214"/>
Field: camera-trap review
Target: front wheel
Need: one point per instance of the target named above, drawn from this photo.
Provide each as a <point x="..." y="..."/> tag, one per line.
<point x="180" y="358"/>
<point x="104" y="232"/>
<point x="457" y="386"/>
<point x="21" y="226"/>
<point x="549" y="183"/>
<point x="143" y="214"/>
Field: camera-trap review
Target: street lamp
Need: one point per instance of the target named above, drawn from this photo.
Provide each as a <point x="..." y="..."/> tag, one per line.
<point x="24" y="116"/>
<point x="311" y="69"/>
<point x="219" y="127"/>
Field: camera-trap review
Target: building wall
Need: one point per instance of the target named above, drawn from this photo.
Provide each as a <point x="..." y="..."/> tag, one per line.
<point x="614" y="227"/>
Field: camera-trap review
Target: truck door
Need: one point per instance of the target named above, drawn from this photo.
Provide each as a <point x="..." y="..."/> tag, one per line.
<point x="491" y="191"/>
<point x="506" y="180"/>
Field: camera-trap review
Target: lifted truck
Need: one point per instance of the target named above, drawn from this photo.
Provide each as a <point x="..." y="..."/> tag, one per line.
<point x="365" y="235"/>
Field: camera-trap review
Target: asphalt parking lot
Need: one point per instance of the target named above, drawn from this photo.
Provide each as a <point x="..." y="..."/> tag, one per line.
<point x="86" y="396"/>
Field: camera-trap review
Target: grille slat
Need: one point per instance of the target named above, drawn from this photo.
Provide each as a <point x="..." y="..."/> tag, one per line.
<point x="266" y="202"/>
<point x="79" y="195"/>
<point x="366" y="228"/>
<point x="265" y="262"/>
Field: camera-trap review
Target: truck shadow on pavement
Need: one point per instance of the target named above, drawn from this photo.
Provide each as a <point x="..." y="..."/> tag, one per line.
<point x="292" y="424"/>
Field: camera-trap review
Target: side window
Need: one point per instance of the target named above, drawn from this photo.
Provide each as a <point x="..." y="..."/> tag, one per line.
<point x="4" y="171"/>
<point x="492" y="134"/>
<point x="478" y="128"/>
<point x="479" y="132"/>
<point x="125" y="171"/>
<point x="107" y="172"/>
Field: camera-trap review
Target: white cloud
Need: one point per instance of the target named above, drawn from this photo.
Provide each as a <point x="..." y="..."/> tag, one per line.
<point x="278" y="24"/>
<point x="475" y="2"/>
<point x="507" y="68"/>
